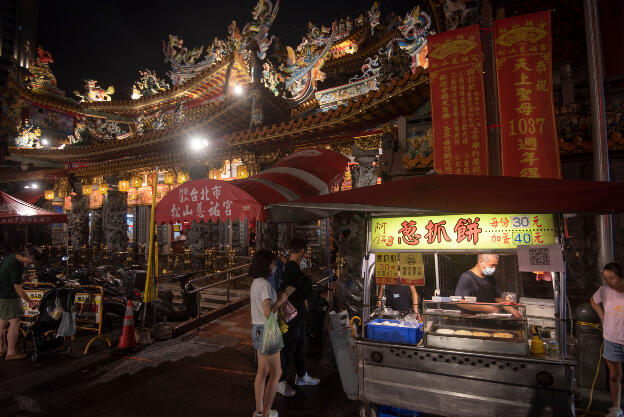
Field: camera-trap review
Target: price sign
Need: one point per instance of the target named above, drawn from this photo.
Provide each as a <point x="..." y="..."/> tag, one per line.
<point x="387" y="268"/>
<point x="36" y="296"/>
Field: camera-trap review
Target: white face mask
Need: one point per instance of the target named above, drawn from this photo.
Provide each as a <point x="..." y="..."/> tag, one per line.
<point x="488" y="270"/>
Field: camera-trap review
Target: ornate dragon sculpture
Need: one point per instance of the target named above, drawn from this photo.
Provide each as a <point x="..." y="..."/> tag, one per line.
<point x="148" y="84"/>
<point x="95" y="93"/>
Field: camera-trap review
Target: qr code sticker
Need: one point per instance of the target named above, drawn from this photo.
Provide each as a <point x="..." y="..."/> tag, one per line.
<point x="539" y="256"/>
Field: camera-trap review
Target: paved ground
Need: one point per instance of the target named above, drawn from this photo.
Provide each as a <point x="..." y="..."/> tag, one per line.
<point x="208" y="373"/>
<point x="205" y="373"/>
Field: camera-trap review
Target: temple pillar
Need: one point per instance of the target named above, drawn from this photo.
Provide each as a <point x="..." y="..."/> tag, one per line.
<point x="78" y="218"/>
<point x="97" y="236"/>
<point x="364" y="173"/>
<point x="115" y="230"/>
<point x="349" y="234"/>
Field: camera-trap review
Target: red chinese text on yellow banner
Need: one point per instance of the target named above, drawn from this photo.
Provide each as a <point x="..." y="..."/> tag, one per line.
<point x="457" y="102"/>
<point x="523" y="63"/>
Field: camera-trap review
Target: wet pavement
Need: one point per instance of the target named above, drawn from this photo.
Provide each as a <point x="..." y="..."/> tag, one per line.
<point x="209" y="372"/>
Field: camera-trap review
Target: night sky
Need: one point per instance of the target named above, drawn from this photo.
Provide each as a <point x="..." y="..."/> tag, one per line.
<point x="111" y="40"/>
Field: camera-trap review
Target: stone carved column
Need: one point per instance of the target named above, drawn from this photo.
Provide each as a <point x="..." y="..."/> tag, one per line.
<point x="114" y="210"/>
<point x="364" y="173"/>
<point x="98" y="227"/>
<point x="78" y="218"/>
<point x="349" y="233"/>
<point x="198" y="238"/>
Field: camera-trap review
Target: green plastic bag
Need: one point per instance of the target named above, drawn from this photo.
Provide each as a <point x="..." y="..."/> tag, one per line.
<point x="272" y="336"/>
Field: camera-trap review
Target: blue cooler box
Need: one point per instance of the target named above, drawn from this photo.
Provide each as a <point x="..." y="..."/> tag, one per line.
<point x="406" y="335"/>
<point x="387" y="411"/>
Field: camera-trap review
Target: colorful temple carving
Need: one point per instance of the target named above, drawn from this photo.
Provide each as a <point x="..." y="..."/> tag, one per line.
<point x="251" y="95"/>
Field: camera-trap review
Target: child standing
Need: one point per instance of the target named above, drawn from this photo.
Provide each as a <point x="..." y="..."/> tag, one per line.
<point x="611" y="296"/>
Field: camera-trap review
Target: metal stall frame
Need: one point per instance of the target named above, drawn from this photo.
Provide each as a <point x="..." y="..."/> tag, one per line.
<point x="94" y="290"/>
<point x="394" y="384"/>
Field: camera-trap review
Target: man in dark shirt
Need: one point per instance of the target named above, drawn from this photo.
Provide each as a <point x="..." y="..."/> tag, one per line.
<point x="479" y="282"/>
<point x="11" y="271"/>
<point x="294" y="339"/>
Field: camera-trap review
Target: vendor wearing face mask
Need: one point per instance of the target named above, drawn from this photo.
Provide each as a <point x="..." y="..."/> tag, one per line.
<point x="479" y="282"/>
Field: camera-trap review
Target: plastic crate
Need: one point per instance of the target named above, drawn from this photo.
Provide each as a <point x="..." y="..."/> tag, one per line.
<point x="407" y="335"/>
<point x="387" y="411"/>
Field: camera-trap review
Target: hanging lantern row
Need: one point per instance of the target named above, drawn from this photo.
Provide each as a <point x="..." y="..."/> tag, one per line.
<point x="123" y="186"/>
<point x="183" y="177"/>
<point x="136" y="181"/>
<point x="169" y="178"/>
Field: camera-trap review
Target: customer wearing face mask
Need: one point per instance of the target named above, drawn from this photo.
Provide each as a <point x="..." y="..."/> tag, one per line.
<point x="294" y="339"/>
<point x="479" y="282"/>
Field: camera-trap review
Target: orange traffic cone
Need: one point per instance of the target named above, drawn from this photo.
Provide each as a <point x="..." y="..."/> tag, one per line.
<point x="127" y="341"/>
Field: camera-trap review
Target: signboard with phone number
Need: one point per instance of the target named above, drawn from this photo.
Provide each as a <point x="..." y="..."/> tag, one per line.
<point x="461" y="232"/>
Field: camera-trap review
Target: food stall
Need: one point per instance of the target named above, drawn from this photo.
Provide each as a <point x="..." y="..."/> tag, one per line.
<point x="467" y="363"/>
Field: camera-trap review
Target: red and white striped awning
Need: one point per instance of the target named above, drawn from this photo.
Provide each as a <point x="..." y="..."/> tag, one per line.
<point x="302" y="174"/>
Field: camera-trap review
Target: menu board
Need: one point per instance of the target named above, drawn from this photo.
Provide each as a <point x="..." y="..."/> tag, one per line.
<point x="461" y="232"/>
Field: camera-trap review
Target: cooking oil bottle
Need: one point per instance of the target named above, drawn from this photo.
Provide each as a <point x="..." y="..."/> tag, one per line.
<point x="537" y="344"/>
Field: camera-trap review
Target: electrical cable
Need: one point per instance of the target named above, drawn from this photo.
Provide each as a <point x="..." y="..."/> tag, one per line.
<point x="591" y="392"/>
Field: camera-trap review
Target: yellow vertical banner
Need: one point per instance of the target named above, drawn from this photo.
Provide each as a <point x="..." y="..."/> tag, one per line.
<point x="387" y="268"/>
<point x="150" y="289"/>
<point x="412" y="269"/>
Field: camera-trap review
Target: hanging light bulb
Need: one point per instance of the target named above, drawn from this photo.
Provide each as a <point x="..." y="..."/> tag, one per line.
<point x="87" y="189"/>
<point x="136" y="181"/>
<point x="103" y="188"/>
<point x="169" y="177"/>
<point x="49" y="194"/>
<point x="123" y="186"/>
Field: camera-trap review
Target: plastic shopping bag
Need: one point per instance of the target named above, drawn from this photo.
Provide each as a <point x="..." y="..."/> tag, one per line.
<point x="56" y="312"/>
<point x="272" y="337"/>
<point x="68" y="325"/>
<point x="289" y="311"/>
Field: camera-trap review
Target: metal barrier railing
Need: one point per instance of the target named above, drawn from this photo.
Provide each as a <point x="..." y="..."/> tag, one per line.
<point x="231" y="275"/>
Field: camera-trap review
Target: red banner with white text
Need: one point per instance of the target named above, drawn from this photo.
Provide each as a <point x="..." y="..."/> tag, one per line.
<point x="458" y="102"/>
<point x="523" y="47"/>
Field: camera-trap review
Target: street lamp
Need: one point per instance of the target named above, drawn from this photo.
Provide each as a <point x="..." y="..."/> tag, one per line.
<point x="238" y="89"/>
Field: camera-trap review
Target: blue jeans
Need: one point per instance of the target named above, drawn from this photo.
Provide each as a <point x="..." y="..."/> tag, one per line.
<point x="613" y="352"/>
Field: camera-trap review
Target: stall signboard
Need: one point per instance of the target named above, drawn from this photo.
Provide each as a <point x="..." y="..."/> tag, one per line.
<point x="88" y="307"/>
<point x="472" y="232"/>
<point x="412" y="269"/>
<point x="35" y="295"/>
<point x="523" y="49"/>
<point x="387" y="268"/>
<point x="458" y="102"/>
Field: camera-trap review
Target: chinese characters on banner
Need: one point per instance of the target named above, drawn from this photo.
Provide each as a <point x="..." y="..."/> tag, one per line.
<point x="412" y="269"/>
<point x="523" y="64"/>
<point x="469" y="231"/>
<point x="203" y="203"/>
<point x="386" y="269"/>
<point x="458" y="102"/>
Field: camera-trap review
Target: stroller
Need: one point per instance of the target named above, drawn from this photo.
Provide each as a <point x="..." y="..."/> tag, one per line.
<point x="42" y="333"/>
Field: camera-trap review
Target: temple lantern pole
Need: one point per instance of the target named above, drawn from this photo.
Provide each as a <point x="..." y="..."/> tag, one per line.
<point x="604" y="229"/>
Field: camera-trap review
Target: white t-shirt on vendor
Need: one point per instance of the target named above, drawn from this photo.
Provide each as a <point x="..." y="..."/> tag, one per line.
<point x="261" y="290"/>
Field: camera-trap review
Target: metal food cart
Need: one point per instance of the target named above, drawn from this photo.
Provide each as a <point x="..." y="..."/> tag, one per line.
<point x="468" y="364"/>
<point x="459" y="375"/>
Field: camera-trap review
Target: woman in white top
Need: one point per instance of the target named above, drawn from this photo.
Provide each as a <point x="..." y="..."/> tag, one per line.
<point x="264" y="301"/>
